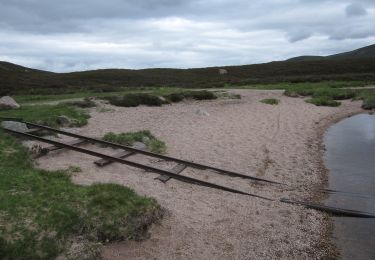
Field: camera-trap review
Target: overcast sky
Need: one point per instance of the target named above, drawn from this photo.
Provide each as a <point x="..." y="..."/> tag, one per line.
<point x="71" y="35"/>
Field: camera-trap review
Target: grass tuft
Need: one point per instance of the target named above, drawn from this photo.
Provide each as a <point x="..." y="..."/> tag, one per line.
<point x="153" y="144"/>
<point x="174" y="97"/>
<point x="270" y="101"/>
<point x="136" y="99"/>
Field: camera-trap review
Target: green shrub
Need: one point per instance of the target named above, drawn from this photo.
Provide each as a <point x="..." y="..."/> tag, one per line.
<point x="369" y="102"/>
<point x="157" y="146"/>
<point x="291" y="93"/>
<point x="199" y="95"/>
<point x="270" y="101"/>
<point x="323" y="101"/>
<point x="175" y="97"/>
<point x="153" y="144"/>
<point x="136" y="99"/>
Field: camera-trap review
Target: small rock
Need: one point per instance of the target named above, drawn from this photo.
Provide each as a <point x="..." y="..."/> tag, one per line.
<point x="7" y="102"/>
<point x="139" y="146"/>
<point x="16" y="126"/>
<point x="162" y="99"/>
<point x="202" y="112"/>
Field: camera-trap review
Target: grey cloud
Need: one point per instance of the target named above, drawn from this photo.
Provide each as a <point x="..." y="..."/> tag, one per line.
<point x="355" y="9"/>
<point x="90" y="34"/>
<point x="68" y="15"/>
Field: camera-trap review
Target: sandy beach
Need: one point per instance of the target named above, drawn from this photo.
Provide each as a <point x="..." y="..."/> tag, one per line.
<point x="281" y="143"/>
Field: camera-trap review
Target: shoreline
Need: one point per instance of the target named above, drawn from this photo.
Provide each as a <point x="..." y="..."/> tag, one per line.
<point x="326" y="242"/>
<point x="283" y="143"/>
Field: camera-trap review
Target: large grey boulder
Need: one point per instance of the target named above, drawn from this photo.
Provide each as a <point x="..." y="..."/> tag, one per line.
<point x="16" y="126"/>
<point x="7" y="102"/>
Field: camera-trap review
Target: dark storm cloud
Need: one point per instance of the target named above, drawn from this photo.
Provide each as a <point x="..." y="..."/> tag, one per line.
<point x="76" y="35"/>
<point x="355" y="9"/>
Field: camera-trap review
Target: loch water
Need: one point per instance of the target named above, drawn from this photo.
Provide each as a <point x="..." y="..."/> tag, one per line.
<point x="350" y="159"/>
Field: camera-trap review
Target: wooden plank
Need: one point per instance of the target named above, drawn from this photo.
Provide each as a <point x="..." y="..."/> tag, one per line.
<point x="74" y="142"/>
<point x="176" y="169"/>
<point x="121" y="155"/>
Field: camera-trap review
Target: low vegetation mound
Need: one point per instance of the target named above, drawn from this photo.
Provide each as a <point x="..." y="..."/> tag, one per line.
<point x="152" y="143"/>
<point x="150" y="99"/>
<point x="197" y="95"/>
<point x="44" y="215"/>
<point x="136" y="99"/>
<point x="270" y="101"/>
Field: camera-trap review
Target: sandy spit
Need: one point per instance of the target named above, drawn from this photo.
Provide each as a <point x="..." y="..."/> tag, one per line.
<point x="281" y="143"/>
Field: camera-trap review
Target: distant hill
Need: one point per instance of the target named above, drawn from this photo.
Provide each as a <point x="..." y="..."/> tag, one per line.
<point x="365" y="52"/>
<point x="356" y="65"/>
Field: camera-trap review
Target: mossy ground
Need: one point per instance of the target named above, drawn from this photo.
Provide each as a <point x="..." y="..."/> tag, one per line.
<point x="270" y="101"/>
<point x="41" y="212"/>
<point x="48" y="114"/>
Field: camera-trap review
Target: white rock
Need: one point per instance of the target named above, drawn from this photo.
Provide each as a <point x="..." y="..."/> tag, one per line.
<point x="16" y="126"/>
<point x="7" y="102"/>
<point x="202" y="112"/>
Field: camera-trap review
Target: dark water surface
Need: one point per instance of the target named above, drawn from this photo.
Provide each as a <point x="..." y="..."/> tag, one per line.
<point x="350" y="158"/>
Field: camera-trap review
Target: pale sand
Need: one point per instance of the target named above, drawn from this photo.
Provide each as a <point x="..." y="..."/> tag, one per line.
<point x="281" y="143"/>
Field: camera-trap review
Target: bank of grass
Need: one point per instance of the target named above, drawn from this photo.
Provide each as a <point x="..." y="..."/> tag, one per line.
<point x="330" y="96"/>
<point x="270" y="101"/>
<point x="34" y="99"/>
<point x="48" y="114"/>
<point x="42" y="212"/>
<point x="153" y="144"/>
